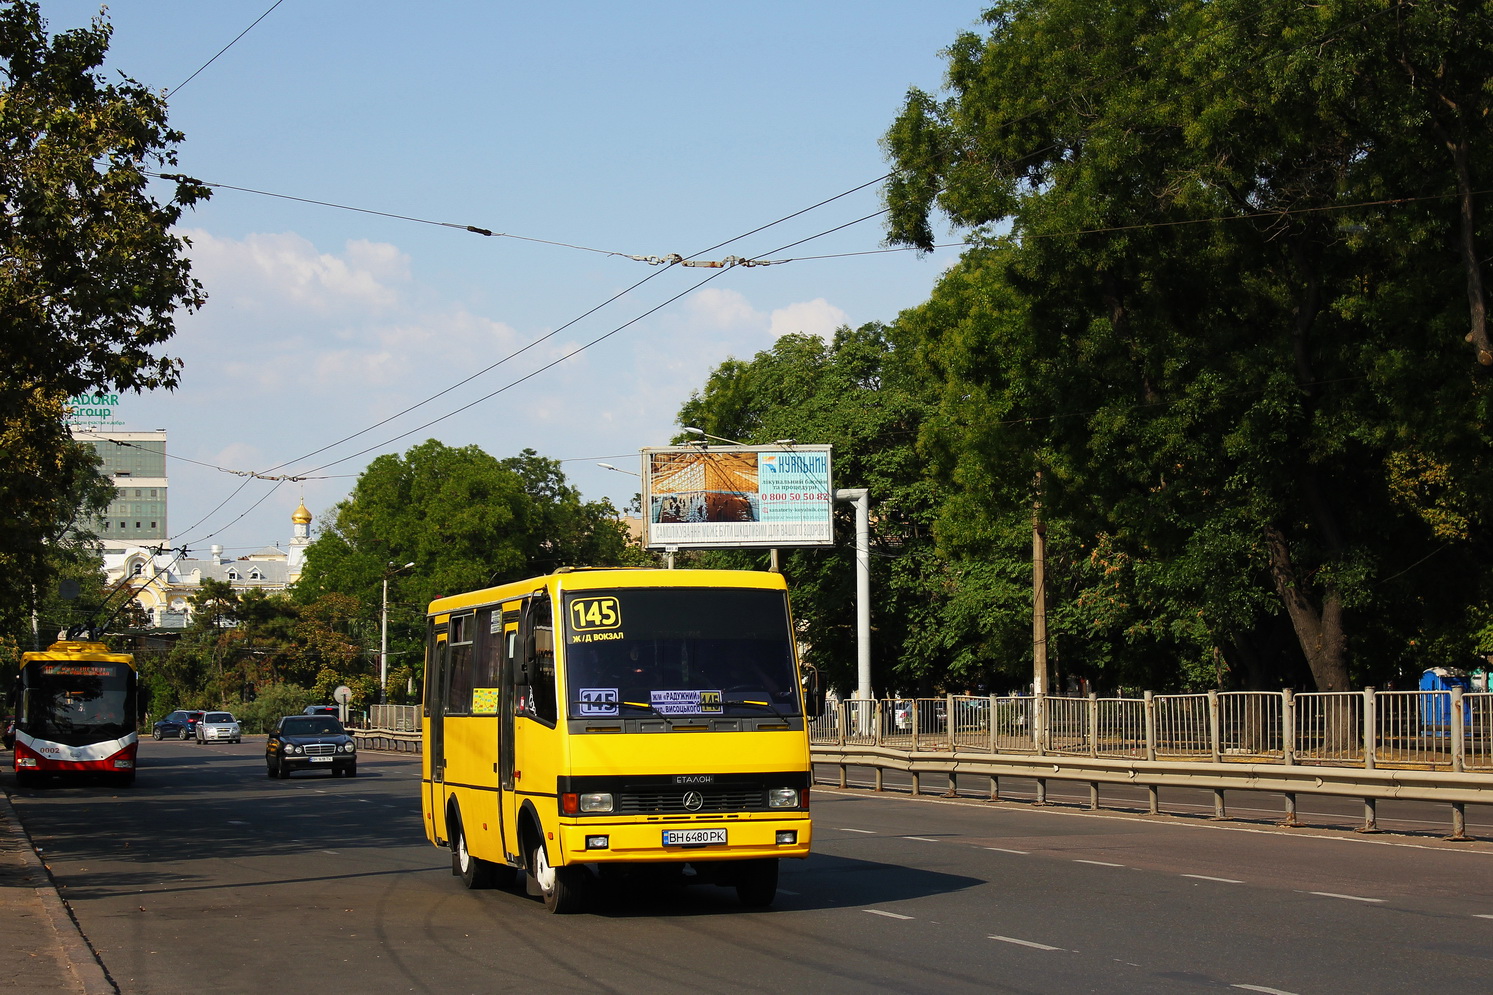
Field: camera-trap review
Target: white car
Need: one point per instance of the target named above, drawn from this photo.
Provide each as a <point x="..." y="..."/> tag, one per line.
<point x="218" y="727"/>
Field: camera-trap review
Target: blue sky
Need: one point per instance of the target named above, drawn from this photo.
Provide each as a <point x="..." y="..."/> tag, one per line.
<point x="614" y="129"/>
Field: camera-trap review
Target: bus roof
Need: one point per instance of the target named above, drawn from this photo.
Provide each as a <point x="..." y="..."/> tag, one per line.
<point x="75" y="649"/>
<point x="591" y="578"/>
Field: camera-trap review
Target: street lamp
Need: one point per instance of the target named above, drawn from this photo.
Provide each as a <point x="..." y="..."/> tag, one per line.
<point x="608" y="466"/>
<point x="706" y="435"/>
<point x="383" y="641"/>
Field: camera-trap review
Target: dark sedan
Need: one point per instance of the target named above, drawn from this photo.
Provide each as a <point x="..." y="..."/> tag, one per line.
<point x="310" y="742"/>
<point x="180" y="724"/>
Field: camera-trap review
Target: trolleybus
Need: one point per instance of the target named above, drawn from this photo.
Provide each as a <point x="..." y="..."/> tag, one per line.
<point x="622" y="724"/>
<point x="76" y="712"/>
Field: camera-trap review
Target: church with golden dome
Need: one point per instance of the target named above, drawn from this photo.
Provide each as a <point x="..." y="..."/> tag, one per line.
<point x="165" y="580"/>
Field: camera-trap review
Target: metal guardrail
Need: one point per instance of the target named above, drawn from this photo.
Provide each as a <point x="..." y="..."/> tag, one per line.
<point x="1434" y="746"/>
<point x="1416" y="745"/>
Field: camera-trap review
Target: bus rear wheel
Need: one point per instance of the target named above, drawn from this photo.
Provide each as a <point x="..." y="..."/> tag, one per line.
<point x="560" y="887"/>
<point x="474" y="871"/>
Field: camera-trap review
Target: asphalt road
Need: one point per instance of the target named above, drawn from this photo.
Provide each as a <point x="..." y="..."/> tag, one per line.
<point x="208" y="876"/>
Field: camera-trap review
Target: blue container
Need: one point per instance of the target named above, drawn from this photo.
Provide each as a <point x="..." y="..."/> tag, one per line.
<point x="1436" y="709"/>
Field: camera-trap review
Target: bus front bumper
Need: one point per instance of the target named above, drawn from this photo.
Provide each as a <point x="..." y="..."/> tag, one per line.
<point x="603" y="841"/>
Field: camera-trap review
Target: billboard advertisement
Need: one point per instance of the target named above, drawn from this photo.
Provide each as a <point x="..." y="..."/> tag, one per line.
<point x="727" y="497"/>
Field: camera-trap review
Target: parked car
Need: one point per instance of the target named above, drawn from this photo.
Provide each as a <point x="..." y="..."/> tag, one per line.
<point x="321" y="710"/>
<point x="310" y="742"/>
<point x="180" y="724"/>
<point x="219" y="727"/>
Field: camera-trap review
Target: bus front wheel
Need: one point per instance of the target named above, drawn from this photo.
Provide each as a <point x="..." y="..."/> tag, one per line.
<point x="757" y="882"/>
<point x="560" y="887"/>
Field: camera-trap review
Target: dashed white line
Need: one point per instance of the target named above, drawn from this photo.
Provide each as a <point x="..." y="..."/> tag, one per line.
<point x="889" y="915"/>
<point x="1025" y="943"/>
<point x="1349" y="898"/>
<point x="1481" y="915"/>
<point x="1204" y="877"/>
<point x="921" y="839"/>
<point x="868" y="832"/>
<point x="1098" y="863"/>
<point x="1263" y="989"/>
<point x="1001" y="849"/>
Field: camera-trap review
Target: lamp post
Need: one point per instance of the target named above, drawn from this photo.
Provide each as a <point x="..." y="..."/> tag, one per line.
<point x="383" y="640"/>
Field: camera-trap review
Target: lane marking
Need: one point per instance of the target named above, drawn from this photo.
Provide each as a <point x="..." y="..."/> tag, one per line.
<point x="1204" y="877"/>
<point x="1481" y="915"/>
<point x="1263" y="989"/>
<point x="1027" y="943"/>
<point x="1001" y="849"/>
<point x="889" y="915"/>
<point x="1350" y="898"/>
<point x="868" y="832"/>
<point x="922" y="839"/>
<point x="1097" y="863"/>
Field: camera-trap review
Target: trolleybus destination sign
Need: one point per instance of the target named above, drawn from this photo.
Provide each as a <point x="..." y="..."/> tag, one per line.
<point x="732" y="496"/>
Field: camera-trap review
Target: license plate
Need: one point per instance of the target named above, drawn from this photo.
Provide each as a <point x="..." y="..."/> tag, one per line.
<point x="693" y="837"/>
<point x="320" y="760"/>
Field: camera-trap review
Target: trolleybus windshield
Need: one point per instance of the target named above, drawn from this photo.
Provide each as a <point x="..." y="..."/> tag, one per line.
<point x="77" y="703"/>
<point x="678" y="652"/>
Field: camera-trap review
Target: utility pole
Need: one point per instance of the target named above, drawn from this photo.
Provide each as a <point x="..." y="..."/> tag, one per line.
<point x="383" y="639"/>
<point x="1039" y="617"/>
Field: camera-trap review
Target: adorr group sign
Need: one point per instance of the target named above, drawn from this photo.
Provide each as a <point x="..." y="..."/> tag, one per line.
<point x="93" y="410"/>
<point x="734" y="496"/>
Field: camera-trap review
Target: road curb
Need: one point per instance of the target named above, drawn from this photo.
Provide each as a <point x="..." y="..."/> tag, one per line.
<point x="72" y="947"/>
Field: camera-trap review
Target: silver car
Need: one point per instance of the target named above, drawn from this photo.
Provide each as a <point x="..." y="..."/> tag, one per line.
<point x="218" y="727"/>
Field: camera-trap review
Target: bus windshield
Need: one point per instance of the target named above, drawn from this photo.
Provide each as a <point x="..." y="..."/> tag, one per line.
<point x="701" y="652"/>
<point x="77" y="703"/>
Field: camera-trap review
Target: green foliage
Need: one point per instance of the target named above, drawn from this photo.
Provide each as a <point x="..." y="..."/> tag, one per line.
<point x="91" y="279"/>
<point x="261" y="714"/>
<point x="1226" y="327"/>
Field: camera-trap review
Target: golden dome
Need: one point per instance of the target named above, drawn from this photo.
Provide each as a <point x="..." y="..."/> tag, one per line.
<point x="301" y="516"/>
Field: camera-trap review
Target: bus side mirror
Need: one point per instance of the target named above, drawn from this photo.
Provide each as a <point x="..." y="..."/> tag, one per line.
<point x="527" y="660"/>
<point x="813" y="692"/>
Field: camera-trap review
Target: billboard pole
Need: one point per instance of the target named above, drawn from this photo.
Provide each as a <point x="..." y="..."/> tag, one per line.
<point x="861" y="498"/>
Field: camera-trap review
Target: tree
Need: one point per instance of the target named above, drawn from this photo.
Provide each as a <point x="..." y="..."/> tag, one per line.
<point x="466" y="520"/>
<point x="91" y="275"/>
<point x="1227" y="322"/>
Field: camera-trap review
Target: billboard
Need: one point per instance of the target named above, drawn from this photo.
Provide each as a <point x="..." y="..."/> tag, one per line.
<point x="697" y="497"/>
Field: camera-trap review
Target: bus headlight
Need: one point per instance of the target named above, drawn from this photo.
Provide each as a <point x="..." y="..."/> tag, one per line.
<point x="596" y="801"/>
<point x="782" y="798"/>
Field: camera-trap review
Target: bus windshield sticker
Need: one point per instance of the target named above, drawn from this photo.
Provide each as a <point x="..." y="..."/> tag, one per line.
<point x="485" y="701"/>
<point x="687" y="702"/>
<point x="598" y="701"/>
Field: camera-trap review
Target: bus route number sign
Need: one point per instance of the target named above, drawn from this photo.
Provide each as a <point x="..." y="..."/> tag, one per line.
<point x="587" y="614"/>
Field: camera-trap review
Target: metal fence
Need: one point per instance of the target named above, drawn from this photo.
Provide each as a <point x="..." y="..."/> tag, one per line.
<point x="1409" y="730"/>
<point x="394" y="718"/>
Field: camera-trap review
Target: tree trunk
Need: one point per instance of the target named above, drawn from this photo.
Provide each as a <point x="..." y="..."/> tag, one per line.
<point x="1320" y="632"/>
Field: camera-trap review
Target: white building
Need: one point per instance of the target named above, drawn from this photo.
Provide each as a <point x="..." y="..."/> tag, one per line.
<point x="164" y="582"/>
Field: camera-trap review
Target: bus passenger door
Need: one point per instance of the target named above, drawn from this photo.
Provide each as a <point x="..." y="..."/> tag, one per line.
<point x="436" y="678"/>
<point x="506" y="707"/>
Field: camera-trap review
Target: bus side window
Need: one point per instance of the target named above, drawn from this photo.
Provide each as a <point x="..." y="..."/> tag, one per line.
<point x="459" y="687"/>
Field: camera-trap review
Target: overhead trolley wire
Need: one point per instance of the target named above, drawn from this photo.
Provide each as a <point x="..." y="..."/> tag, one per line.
<point x="173" y="90"/>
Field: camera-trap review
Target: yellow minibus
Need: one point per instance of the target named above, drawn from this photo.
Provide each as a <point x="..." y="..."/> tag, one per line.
<point x="619" y="725"/>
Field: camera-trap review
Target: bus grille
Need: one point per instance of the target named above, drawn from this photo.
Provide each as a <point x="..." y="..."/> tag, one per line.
<point x="671" y="801"/>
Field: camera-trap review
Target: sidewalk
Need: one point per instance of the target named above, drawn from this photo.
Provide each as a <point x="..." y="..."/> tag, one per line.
<point x="44" y="952"/>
